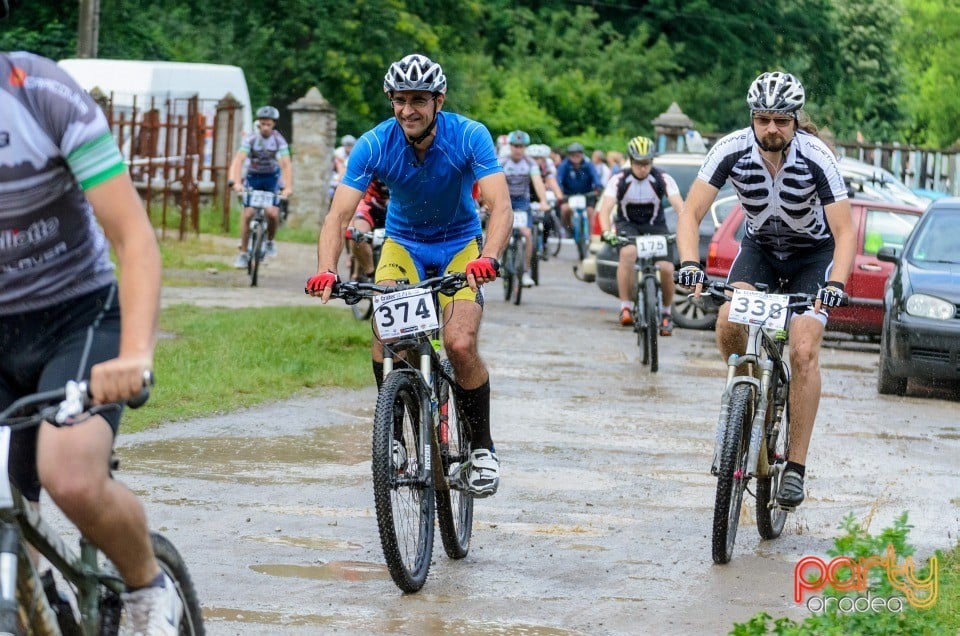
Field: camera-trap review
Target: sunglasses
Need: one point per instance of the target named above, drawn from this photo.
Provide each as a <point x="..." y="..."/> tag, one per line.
<point x="781" y="122"/>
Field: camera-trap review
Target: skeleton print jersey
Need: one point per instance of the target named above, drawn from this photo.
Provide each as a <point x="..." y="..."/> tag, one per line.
<point x="54" y="142"/>
<point x="784" y="213"/>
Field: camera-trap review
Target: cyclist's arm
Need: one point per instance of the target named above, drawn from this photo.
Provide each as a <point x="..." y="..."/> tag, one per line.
<point x="286" y="173"/>
<point x="607" y="204"/>
<point x="121" y="214"/>
<point x="551" y="183"/>
<point x="677" y="202"/>
<point x="330" y="244"/>
<point x="236" y="170"/>
<point x="539" y="188"/>
<point x="839" y="218"/>
<point x="494" y="192"/>
<point x="699" y="198"/>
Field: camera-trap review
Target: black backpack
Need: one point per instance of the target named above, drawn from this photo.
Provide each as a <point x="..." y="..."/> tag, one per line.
<point x="659" y="185"/>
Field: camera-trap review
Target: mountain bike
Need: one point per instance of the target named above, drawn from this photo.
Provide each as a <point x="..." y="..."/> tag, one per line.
<point x="647" y="295"/>
<point x="259" y="200"/>
<point x="89" y="604"/>
<point x="580" y="222"/>
<point x="419" y="438"/>
<point x="515" y="259"/>
<point x="363" y="309"/>
<point x="753" y="430"/>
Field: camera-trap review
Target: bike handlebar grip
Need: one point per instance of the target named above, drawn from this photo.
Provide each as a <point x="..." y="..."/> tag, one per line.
<point x="140" y="400"/>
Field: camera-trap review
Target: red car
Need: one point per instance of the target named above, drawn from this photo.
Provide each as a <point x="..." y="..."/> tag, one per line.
<point x="877" y="223"/>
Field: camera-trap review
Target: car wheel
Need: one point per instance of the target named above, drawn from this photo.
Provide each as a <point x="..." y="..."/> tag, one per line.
<point x="887" y="383"/>
<point x="690" y="315"/>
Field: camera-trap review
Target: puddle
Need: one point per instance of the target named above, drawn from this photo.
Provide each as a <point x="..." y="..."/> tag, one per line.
<point x="332" y="571"/>
<point x="318" y="543"/>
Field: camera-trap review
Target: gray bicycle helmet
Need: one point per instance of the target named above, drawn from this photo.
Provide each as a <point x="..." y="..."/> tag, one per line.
<point x="268" y="112"/>
<point x="575" y="147"/>
<point x="348" y="140"/>
<point x="415" y="72"/>
<point x="776" y="93"/>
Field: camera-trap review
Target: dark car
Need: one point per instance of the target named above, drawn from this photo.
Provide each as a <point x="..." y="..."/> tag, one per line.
<point x="921" y="324"/>
<point x="878" y="224"/>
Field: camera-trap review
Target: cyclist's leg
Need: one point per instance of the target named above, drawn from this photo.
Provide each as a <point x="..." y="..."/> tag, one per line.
<point x="750" y="266"/>
<point x="626" y="274"/>
<point x="806" y="336"/>
<point x="73" y="461"/>
<point x="396" y="262"/>
<point x="273" y="221"/>
<point x="362" y="250"/>
<point x="245" y="228"/>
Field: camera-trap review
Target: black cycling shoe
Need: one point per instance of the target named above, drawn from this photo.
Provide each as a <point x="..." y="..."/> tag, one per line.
<point x="791" y="490"/>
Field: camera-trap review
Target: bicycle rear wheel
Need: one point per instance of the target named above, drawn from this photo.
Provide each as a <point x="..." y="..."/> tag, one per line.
<point x="771" y="517"/>
<point x="508" y="274"/>
<point x="652" y="311"/>
<point x="403" y="491"/>
<point x="732" y="478"/>
<point x="454" y="506"/>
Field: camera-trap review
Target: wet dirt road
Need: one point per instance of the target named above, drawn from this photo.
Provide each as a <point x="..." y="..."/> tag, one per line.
<point x="602" y="522"/>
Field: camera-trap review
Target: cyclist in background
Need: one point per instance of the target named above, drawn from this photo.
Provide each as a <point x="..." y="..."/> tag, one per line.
<point x="64" y="193"/>
<point x="430" y="160"/>
<point x="269" y="164"/>
<point x="577" y="176"/>
<point x="548" y="170"/>
<point x="522" y="173"/>
<point x="371" y="214"/>
<point x="636" y="198"/>
<point x="798" y="229"/>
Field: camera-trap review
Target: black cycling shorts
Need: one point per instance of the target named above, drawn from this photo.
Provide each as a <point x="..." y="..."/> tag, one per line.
<point x="799" y="274"/>
<point x="44" y="349"/>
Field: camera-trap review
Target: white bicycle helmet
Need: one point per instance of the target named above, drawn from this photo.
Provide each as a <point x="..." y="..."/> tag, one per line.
<point x="776" y="93"/>
<point x="538" y="151"/>
<point x="268" y="112"/>
<point x="415" y="72"/>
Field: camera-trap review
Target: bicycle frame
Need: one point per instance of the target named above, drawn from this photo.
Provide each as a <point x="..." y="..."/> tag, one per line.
<point x="82" y="571"/>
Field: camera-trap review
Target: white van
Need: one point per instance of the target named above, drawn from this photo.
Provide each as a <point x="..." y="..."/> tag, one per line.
<point x="144" y="80"/>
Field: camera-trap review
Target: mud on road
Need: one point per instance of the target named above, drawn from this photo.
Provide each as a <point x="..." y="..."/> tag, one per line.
<point x="602" y="523"/>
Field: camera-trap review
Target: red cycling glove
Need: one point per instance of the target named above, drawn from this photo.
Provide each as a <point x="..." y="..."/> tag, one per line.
<point x="319" y="282"/>
<point x="484" y="267"/>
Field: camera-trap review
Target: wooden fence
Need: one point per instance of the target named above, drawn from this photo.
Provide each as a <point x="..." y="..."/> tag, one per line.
<point x="177" y="149"/>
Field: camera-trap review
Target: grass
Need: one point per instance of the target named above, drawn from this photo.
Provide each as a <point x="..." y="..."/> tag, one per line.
<point x="942" y="618"/>
<point x="211" y="361"/>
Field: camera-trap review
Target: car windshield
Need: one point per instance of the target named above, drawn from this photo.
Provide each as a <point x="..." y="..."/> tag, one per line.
<point x="938" y="240"/>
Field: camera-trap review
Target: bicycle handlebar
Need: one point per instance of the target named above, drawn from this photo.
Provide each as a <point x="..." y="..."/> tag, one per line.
<point x="58" y="405"/>
<point x="353" y="292"/>
<point x="717" y="290"/>
<point x="626" y="239"/>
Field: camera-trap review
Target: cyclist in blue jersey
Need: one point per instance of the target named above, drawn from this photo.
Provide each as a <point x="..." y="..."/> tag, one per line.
<point x="64" y="193"/>
<point x="798" y="229"/>
<point x="578" y="176"/>
<point x="430" y="161"/>
<point x="522" y="173"/>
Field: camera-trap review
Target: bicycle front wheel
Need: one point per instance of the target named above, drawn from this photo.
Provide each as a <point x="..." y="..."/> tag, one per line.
<point x="732" y="478"/>
<point x="519" y="265"/>
<point x="582" y="235"/>
<point x="454" y="506"/>
<point x="770" y="517"/>
<point x="508" y="274"/>
<point x="403" y="491"/>
<point x="652" y="311"/>
<point x="256" y="257"/>
<point x="640" y="325"/>
<point x="191" y="618"/>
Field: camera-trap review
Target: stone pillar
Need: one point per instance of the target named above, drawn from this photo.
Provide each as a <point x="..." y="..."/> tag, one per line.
<point x="314" y="131"/>
<point x="670" y="127"/>
<point x="227" y="135"/>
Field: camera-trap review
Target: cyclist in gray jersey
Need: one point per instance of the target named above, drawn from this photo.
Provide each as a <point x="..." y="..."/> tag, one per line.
<point x="522" y="173"/>
<point x="63" y="317"/>
<point x="799" y="229"/>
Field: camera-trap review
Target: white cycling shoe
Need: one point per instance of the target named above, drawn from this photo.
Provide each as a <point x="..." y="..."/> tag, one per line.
<point x="479" y="475"/>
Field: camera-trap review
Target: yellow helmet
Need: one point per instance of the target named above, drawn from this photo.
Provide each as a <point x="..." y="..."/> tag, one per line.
<point x="641" y="148"/>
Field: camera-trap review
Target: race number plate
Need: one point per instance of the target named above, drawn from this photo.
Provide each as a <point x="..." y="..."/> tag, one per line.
<point x="259" y="199"/>
<point x="404" y="313"/>
<point x="519" y="219"/>
<point x="651" y="245"/>
<point x="750" y="307"/>
<point x="578" y="202"/>
<point x="6" y="496"/>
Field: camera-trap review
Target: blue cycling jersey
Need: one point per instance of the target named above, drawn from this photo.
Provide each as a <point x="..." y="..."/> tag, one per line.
<point x="430" y="201"/>
<point x="578" y="180"/>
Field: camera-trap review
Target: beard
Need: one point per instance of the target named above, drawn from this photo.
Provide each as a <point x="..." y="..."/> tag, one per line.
<point x="773" y="142"/>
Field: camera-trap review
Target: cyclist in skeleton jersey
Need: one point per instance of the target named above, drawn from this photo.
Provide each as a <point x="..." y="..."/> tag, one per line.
<point x="799" y="229"/>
